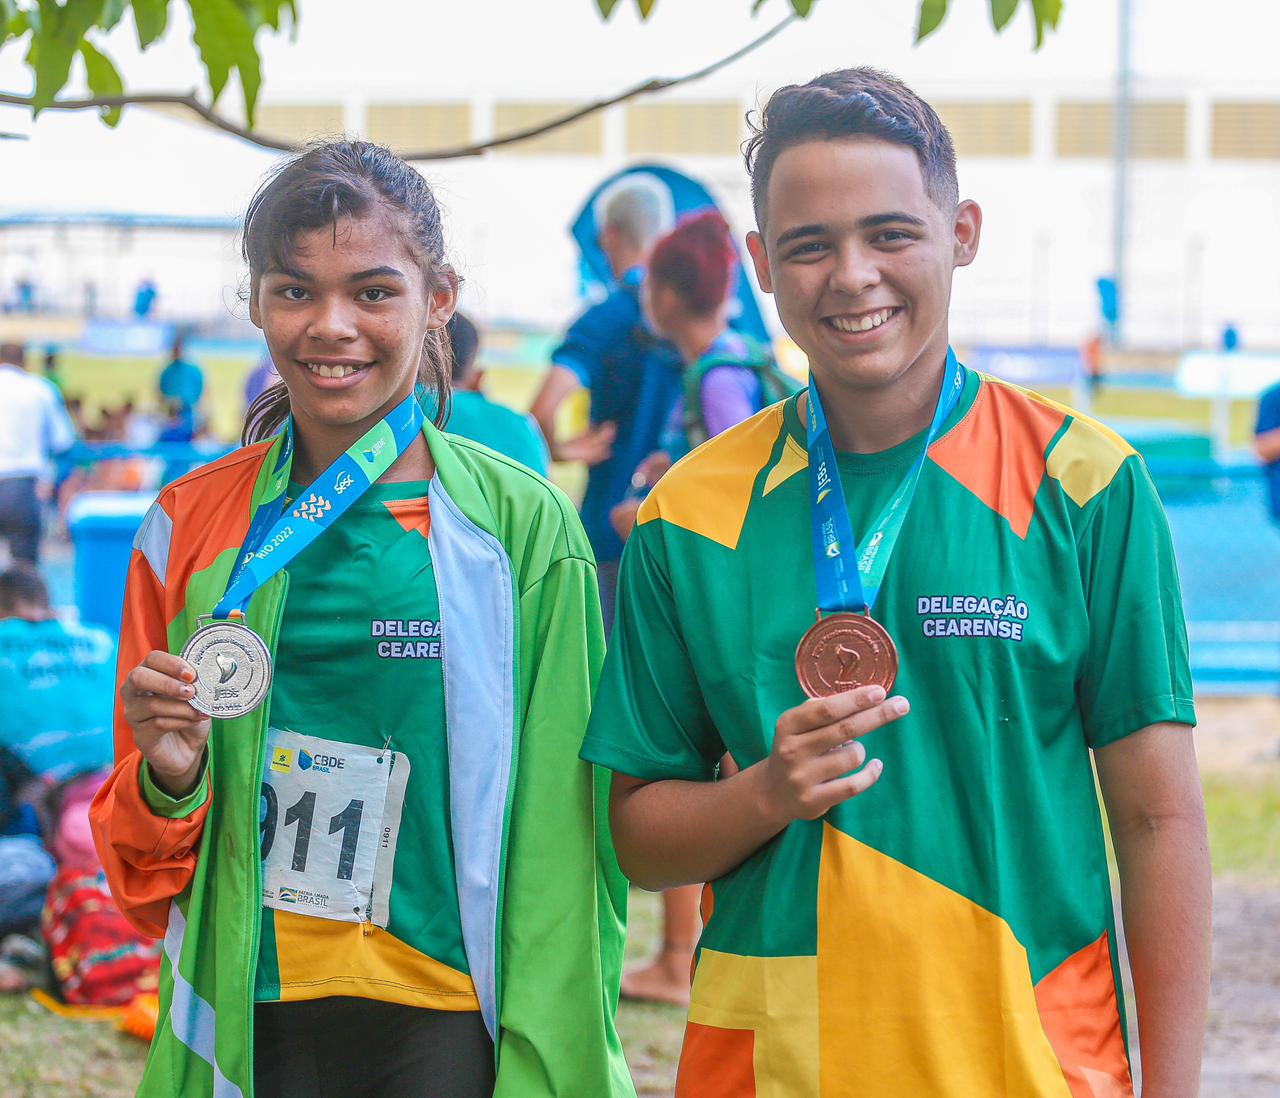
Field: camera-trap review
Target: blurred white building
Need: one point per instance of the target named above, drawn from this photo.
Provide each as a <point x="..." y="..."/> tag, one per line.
<point x="1033" y="132"/>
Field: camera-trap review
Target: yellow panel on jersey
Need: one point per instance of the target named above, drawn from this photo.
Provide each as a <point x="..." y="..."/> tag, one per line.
<point x="956" y="965"/>
<point x="731" y="992"/>
<point x="1086" y="458"/>
<point x="793" y="459"/>
<point x="714" y="498"/>
<point x="375" y="965"/>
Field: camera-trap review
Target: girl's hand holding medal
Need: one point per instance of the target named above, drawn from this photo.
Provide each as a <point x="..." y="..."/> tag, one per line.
<point x="169" y="731"/>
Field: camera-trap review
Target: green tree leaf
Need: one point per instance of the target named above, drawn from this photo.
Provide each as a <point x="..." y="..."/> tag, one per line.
<point x="150" y="17"/>
<point x="931" y="15"/>
<point x="269" y="13"/>
<point x="802" y="7"/>
<point x="58" y="36"/>
<point x="606" y="7"/>
<point x="1001" y="12"/>
<point x="1047" y="13"/>
<point x="644" y="7"/>
<point x="8" y="14"/>
<point x="103" y="79"/>
<point x="224" y="36"/>
<point x="112" y="13"/>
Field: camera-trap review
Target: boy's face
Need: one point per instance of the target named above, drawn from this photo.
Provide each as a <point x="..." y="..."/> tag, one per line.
<point x="859" y="258"/>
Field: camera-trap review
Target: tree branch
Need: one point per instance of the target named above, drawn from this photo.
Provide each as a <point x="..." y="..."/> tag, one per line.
<point x="191" y="103"/>
<point x="143" y="99"/>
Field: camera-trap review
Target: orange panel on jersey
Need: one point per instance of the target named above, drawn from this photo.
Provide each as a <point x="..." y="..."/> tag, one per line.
<point x="1081" y="1016"/>
<point x="997" y="451"/>
<point x="717" y="1063"/>
<point x="412" y="514"/>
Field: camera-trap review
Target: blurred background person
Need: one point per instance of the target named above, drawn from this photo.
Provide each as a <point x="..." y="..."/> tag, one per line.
<point x="1266" y="444"/>
<point x="473" y="415"/>
<point x="34" y="426"/>
<point x="726" y="377"/>
<point x="57" y="680"/>
<point x="52" y="374"/>
<point x="144" y="299"/>
<point x="25" y="871"/>
<point x="631" y="378"/>
<point x="260" y="379"/>
<point x="181" y="387"/>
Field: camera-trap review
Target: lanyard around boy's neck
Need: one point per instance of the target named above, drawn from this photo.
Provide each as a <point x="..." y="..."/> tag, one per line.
<point x="275" y="539"/>
<point x="844" y="587"/>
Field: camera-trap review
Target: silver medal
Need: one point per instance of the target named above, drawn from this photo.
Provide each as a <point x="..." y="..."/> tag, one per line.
<point x="233" y="669"/>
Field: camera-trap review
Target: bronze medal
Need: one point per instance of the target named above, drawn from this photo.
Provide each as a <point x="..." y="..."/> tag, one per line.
<point x="845" y="651"/>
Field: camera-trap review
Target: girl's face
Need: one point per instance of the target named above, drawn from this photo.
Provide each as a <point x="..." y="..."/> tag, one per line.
<point x="346" y="321"/>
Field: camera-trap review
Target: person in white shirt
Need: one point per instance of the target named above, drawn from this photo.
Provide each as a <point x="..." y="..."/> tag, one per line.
<point x="34" y="426"/>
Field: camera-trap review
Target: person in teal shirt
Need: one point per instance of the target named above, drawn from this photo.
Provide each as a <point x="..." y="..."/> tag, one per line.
<point x="473" y="415"/>
<point x="57" y="681"/>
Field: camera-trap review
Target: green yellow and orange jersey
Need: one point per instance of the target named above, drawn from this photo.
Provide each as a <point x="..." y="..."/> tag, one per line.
<point x="950" y="932"/>
<point x="361" y="635"/>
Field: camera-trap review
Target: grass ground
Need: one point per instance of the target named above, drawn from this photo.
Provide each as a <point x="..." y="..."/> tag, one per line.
<point x="1239" y="744"/>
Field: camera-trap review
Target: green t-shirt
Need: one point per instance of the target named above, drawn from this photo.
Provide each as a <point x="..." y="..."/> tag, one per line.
<point x="359" y="661"/>
<point x="473" y="415"/>
<point x="950" y="932"/>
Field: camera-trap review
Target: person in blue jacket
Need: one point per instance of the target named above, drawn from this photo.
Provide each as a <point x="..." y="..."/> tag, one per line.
<point x="632" y="377"/>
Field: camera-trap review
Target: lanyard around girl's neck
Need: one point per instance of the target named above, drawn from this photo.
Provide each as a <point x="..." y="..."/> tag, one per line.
<point x="841" y="588"/>
<point x="275" y="539"/>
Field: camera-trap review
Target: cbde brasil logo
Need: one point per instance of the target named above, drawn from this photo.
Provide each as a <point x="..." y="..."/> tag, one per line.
<point x="323" y="764"/>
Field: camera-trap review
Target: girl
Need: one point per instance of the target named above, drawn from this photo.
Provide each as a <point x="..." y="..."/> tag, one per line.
<point x="393" y="872"/>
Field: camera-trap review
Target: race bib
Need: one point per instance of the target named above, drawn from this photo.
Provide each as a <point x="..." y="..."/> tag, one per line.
<point x="330" y="817"/>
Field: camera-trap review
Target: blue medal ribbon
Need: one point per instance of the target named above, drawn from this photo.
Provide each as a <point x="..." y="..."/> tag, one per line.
<point x="849" y="578"/>
<point x="275" y="538"/>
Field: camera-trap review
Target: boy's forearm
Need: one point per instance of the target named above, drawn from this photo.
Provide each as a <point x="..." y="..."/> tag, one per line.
<point x="670" y="833"/>
<point x="1166" y="892"/>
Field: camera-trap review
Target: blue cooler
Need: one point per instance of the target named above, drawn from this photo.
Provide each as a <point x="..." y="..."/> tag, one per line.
<point x="102" y="526"/>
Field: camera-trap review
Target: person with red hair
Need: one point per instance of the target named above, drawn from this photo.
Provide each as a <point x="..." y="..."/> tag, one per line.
<point x="727" y="377"/>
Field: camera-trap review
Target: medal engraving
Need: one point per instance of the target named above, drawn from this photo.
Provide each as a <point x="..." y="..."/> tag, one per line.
<point x="845" y="651"/>
<point x="233" y="669"/>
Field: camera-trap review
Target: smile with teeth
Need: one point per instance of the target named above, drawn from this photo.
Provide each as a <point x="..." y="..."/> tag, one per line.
<point x="862" y="323"/>
<point x="331" y="371"/>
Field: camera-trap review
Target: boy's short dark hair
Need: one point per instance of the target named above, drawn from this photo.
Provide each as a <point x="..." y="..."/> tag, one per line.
<point x="21" y="585"/>
<point x="861" y="102"/>
<point x="464" y="341"/>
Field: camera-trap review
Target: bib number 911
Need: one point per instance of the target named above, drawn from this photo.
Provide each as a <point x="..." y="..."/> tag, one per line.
<point x="329" y="818"/>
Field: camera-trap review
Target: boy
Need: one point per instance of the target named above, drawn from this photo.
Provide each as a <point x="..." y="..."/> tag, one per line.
<point x="936" y="921"/>
<point x="473" y="415"/>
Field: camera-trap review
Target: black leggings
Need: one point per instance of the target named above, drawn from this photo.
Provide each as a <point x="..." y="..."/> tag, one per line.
<point x="359" y="1048"/>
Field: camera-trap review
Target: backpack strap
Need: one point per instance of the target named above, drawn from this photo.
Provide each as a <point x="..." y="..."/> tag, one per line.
<point x="775" y="384"/>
